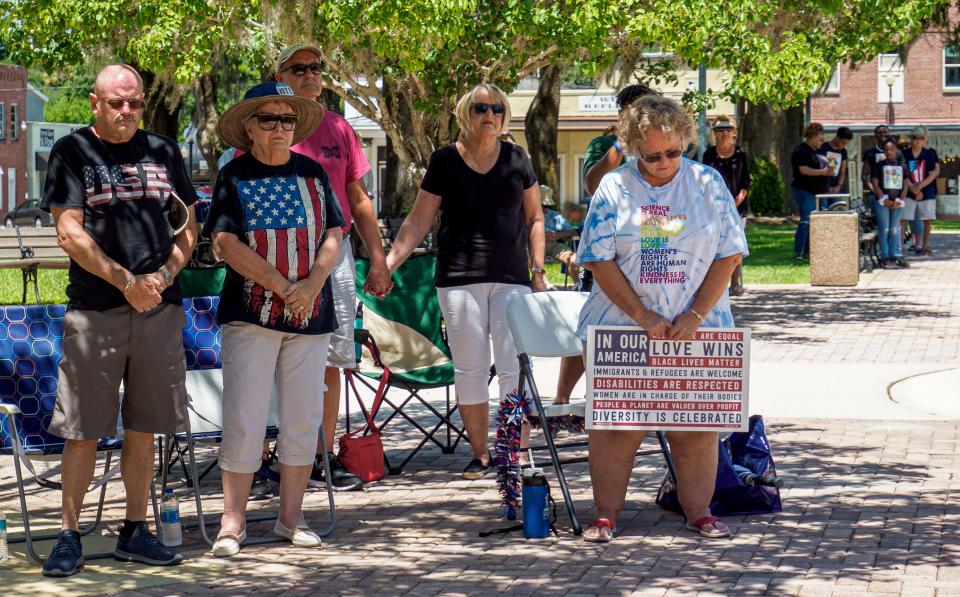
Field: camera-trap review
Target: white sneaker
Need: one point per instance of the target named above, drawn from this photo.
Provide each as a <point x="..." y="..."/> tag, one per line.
<point x="302" y="536"/>
<point x="229" y="544"/>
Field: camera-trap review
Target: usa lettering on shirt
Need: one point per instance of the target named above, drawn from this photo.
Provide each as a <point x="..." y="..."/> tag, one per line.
<point x="126" y="182"/>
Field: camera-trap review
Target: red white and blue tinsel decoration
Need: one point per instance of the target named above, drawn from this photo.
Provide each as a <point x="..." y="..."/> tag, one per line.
<point x="506" y="451"/>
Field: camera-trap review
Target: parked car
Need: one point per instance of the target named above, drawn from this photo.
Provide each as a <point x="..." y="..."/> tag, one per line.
<point x="28" y="213"/>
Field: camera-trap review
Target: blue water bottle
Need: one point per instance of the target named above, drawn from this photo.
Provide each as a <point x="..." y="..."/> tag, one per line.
<point x="536" y="509"/>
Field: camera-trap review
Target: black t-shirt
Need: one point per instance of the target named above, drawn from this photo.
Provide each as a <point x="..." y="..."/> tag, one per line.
<point x="735" y="172"/>
<point x="892" y="176"/>
<point x="920" y="167"/>
<point x="483" y="234"/>
<point x="804" y="155"/>
<point x="282" y="213"/>
<point x="124" y="192"/>
<point x="835" y="159"/>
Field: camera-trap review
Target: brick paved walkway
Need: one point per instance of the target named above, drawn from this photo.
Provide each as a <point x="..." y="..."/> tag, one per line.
<point x="871" y="507"/>
<point x="892" y="316"/>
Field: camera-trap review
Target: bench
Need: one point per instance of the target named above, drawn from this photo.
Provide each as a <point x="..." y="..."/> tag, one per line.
<point x="29" y="250"/>
<point x="869" y="247"/>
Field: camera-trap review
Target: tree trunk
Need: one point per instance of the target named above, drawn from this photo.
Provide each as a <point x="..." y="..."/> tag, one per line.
<point x="541" y="129"/>
<point x="331" y="101"/>
<point x="206" y="116"/>
<point x="411" y="138"/>
<point x="158" y="115"/>
<point x="772" y="134"/>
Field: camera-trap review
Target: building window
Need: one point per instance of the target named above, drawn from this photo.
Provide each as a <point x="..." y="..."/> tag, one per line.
<point x="889" y="79"/>
<point x="14" y="122"/>
<point x="582" y="196"/>
<point x="3" y="118"/>
<point x="832" y="85"/>
<point x="951" y="67"/>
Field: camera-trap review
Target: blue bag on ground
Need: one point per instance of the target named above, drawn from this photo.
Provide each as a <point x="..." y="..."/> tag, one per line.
<point x="740" y="456"/>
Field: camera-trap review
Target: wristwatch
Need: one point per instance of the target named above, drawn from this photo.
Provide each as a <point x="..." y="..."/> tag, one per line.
<point x="167" y="276"/>
<point x="537" y="270"/>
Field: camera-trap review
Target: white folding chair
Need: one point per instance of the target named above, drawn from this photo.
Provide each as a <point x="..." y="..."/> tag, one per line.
<point x="544" y="324"/>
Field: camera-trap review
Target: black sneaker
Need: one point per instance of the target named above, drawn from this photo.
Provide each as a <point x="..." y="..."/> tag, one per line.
<point x="476" y="469"/>
<point x="888" y="263"/>
<point x="263" y="489"/>
<point x="66" y="559"/>
<point x="144" y="547"/>
<point x="901" y="263"/>
<point x="266" y="481"/>
<point x="343" y="480"/>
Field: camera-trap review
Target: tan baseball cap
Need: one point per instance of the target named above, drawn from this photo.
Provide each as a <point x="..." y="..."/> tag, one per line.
<point x="289" y="52"/>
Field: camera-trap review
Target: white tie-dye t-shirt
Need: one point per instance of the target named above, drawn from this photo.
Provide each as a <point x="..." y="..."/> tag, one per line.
<point x="663" y="238"/>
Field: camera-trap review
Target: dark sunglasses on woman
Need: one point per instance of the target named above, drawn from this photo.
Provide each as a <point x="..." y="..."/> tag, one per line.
<point x="268" y="122"/>
<point x="482" y="107"/>
<point x="653" y="158"/>
<point x="299" y="70"/>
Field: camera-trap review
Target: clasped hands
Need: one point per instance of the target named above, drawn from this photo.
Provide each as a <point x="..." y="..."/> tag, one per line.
<point x="145" y="290"/>
<point x="682" y="328"/>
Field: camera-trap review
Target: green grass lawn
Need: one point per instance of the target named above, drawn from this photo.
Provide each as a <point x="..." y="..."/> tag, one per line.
<point x="771" y="256"/>
<point x="53" y="284"/>
<point x="946" y="224"/>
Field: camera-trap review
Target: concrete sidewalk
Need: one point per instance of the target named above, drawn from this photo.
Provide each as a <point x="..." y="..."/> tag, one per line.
<point x="859" y="389"/>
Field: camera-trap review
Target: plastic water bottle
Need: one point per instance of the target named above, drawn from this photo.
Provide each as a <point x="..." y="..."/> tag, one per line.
<point x="170" y="519"/>
<point x="4" y="552"/>
<point x="536" y="507"/>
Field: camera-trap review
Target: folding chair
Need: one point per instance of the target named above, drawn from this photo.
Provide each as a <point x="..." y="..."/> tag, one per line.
<point x="544" y="324"/>
<point x="30" y="341"/>
<point x="202" y="342"/>
<point x="402" y="347"/>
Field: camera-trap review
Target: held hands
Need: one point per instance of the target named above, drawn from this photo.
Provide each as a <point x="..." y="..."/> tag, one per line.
<point x="301" y="296"/>
<point x="379" y="282"/>
<point x="144" y="291"/>
<point x="653" y="324"/>
<point x="684" y="326"/>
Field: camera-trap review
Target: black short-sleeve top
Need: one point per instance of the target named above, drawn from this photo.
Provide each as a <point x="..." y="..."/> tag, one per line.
<point x="483" y="235"/>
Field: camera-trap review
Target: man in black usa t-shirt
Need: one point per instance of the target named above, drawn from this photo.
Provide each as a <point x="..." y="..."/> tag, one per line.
<point x="111" y="188"/>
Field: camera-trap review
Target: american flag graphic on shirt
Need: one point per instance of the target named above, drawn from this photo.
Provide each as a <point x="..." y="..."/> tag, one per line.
<point x="918" y="170"/>
<point x="129" y="182"/>
<point x="285" y="220"/>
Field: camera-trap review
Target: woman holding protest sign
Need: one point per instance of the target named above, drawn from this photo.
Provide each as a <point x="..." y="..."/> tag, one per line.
<point x="662" y="239"/>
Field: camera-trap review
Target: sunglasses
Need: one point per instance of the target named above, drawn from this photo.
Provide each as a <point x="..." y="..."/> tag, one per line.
<point x="268" y="122"/>
<point x="299" y="70"/>
<point x="653" y="158"/>
<point x="118" y="103"/>
<point x="482" y="107"/>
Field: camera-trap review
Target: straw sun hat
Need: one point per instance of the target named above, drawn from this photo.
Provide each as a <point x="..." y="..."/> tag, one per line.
<point x="231" y="129"/>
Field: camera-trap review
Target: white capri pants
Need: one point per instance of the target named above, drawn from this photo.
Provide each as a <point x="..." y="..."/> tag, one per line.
<point x="253" y="358"/>
<point x="475" y="313"/>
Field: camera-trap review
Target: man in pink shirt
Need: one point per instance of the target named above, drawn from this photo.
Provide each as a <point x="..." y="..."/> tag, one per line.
<point x="336" y="146"/>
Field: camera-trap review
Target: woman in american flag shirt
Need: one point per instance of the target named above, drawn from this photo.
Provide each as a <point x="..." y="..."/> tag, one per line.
<point x="275" y="221"/>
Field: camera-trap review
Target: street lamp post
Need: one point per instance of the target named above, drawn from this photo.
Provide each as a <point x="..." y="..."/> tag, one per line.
<point x="890" y="79"/>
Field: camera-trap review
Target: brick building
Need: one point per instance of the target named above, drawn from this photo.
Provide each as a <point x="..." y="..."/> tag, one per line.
<point x="922" y="90"/>
<point x="13" y="153"/>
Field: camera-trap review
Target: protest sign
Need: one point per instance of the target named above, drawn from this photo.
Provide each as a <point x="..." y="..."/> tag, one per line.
<point x="635" y="382"/>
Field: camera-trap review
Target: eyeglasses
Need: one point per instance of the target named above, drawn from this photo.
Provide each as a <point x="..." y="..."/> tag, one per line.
<point x="268" y="122"/>
<point x="653" y="158"/>
<point x="918" y="138"/>
<point x="482" y="107"/>
<point x="118" y="103"/>
<point x="299" y="70"/>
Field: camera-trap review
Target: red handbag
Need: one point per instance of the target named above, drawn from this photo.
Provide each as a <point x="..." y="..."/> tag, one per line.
<point x="362" y="454"/>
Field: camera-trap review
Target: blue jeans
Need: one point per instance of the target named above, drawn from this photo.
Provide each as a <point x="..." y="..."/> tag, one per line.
<point x="805" y="203"/>
<point x="918" y="229"/>
<point x="888" y="229"/>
